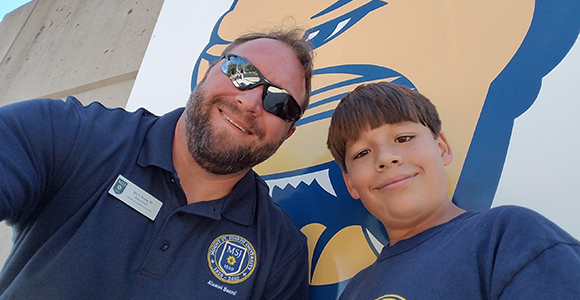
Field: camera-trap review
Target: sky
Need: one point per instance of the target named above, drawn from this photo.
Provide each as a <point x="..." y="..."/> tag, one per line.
<point x="7" y="6"/>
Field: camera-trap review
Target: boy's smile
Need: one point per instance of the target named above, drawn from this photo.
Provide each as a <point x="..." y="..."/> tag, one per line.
<point x="397" y="170"/>
<point x="396" y="181"/>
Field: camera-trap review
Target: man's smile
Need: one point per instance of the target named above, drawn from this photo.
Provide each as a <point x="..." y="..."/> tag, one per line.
<point x="234" y="123"/>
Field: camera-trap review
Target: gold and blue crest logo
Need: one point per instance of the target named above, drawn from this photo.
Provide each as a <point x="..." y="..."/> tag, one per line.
<point x="120" y="186"/>
<point x="231" y="258"/>
<point x="480" y="62"/>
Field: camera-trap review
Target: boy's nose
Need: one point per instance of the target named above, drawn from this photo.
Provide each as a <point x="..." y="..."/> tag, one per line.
<point x="387" y="158"/>
<point x="251" y="100"/>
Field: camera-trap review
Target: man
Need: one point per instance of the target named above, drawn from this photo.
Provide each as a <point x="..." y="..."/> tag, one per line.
<point x="107" y="204"/>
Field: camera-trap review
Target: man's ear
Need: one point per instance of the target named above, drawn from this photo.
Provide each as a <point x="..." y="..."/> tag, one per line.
<point x="444" y="149"/>
<point x="290" y="132"/>
<point x="350" y="186"/>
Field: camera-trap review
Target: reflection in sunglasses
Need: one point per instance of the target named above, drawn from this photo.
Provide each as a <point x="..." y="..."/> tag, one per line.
<point x="245" y="76"/>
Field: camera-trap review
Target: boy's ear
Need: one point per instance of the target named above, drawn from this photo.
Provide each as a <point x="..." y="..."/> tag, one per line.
<point x="350" y="186"/>
<point x="445" y="149"/>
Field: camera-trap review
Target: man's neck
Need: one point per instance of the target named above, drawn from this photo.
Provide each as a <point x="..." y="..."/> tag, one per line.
<point x="197" y="183"/>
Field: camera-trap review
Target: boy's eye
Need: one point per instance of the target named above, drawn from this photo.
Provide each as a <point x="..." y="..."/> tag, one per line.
<point x="361" y="154"/>
<point x="403" y="139"/>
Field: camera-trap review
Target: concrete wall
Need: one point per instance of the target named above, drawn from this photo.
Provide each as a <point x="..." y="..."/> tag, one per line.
<point x="91" y="49"/>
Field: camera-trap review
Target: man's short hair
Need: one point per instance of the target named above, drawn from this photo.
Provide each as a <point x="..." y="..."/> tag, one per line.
<point x="294" y="38"/>
<point x="373" y="105"/>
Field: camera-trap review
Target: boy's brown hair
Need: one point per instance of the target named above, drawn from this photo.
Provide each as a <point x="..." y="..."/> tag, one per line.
<point x="373" y="105"/>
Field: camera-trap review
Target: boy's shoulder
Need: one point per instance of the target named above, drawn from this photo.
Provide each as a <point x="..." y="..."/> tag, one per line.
<point x="515" y="223"/>
<point x="508" y="214"/>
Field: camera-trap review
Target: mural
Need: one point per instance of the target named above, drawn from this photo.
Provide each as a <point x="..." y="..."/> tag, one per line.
<point x="480" y="62"/>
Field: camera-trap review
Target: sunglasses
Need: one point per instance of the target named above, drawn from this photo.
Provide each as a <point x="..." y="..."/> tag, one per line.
<point x="276" y="100"/>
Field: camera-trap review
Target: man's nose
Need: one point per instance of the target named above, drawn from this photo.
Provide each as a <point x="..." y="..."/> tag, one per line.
<point x="251" y="100"/>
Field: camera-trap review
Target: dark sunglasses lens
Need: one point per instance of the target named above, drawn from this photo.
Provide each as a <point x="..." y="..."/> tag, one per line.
<point x="245" y="76"/>
<point x="242" y="73"/>
<point x="278" y="102"/>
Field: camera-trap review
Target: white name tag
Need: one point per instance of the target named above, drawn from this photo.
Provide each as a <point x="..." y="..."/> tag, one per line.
<point x="137" y="198"/>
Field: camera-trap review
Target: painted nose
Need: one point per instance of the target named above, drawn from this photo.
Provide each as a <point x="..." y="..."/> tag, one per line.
<point x="251" y="100"/>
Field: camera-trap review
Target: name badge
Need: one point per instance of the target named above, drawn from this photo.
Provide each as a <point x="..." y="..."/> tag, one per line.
<point x="137" y="198"/>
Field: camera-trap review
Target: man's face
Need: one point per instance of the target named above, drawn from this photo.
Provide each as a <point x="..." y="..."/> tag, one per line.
<point x="228" y="130"/>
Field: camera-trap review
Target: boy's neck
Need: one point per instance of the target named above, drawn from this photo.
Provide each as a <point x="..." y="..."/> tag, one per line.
<point x="444" y="214"/>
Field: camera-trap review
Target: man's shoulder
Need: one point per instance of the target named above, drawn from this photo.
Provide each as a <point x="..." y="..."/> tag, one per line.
<point x="71" y="110"/>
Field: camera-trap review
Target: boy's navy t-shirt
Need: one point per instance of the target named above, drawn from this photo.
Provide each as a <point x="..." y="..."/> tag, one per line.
<point x="504" y="253"/>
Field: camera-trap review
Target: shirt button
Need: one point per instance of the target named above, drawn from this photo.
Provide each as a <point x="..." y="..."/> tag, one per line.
<point x="164" y="246"/>
<point x="172" y="180"/>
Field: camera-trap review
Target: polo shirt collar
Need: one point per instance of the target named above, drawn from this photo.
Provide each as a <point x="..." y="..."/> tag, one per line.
<point x="240" y="205"/>
<point x="158" y="144"/>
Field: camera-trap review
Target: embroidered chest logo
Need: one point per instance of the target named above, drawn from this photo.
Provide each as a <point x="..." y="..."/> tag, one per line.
<point x="120" y="186"/>
<point x="231" y="258"/>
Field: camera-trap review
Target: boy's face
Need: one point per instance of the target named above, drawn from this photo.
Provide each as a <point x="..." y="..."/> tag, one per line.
<point x="397" y="170"/>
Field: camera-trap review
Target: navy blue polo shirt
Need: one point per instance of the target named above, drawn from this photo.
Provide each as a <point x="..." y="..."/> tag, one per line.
<point x="74" y="239"/>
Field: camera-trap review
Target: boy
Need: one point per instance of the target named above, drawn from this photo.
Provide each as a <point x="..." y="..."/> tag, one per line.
<point x="388" y="142"/>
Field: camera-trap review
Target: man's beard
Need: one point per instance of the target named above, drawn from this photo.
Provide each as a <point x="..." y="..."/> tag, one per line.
<point x="209" y="149"/>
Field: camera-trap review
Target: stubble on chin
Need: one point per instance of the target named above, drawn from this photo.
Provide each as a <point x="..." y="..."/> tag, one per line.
<point x="210" y="149"/>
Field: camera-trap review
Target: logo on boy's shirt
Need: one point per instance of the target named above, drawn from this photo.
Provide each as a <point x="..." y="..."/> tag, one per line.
<point x="231" y="258"/>
<point x="390" y="297"/>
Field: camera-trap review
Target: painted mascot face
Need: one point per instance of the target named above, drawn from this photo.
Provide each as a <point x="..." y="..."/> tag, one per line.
<point x="470" y="58"/>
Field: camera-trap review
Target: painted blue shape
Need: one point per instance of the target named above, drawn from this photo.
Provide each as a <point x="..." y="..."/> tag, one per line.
<point x="336" y="5"/>
<point x="554" y="29"/>
<point x="325" y="32"/>
<point x="363" y="73"/>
